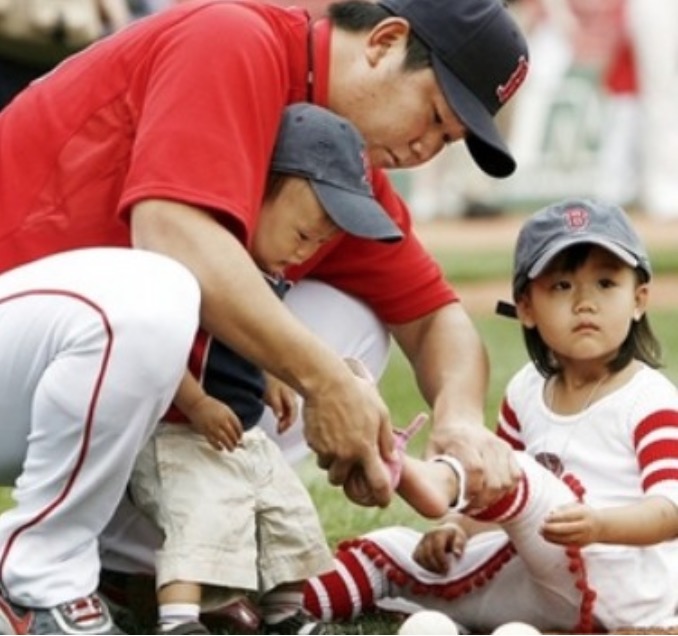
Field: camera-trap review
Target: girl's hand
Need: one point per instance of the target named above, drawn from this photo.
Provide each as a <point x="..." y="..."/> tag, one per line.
<point x="572" y="524"/>
<point x="435" y="547"/>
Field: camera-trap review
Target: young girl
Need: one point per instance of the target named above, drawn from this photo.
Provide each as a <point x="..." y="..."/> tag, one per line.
<point x="588" y="540"/>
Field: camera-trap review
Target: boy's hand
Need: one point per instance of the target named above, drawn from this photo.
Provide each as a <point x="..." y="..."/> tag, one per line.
<point x="217" y="422"/>
<point x="283" y="402"/>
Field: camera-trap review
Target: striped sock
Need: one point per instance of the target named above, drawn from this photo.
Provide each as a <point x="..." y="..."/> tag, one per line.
<point x="351" y="588"/>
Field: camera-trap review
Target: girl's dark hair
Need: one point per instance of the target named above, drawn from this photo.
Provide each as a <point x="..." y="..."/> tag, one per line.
<point x="640" y="344"/>
<point x="362" y="15"/>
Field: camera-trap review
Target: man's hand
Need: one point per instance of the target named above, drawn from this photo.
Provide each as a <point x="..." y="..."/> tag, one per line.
<point x="491" y="467"/>
<point x="349" y="429"/>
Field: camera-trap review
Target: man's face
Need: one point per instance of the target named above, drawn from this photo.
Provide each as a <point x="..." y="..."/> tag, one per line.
<point x="402" y="114"/>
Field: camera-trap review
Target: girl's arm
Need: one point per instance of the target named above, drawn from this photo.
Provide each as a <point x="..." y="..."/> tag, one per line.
<point x="652" y="520"/>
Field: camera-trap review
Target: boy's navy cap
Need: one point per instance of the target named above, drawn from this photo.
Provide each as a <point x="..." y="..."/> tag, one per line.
<point x="328" y="150"/>
<point x="555" y="228"/>
<point x="480" y="58"/>
<point x="572" y="222"/>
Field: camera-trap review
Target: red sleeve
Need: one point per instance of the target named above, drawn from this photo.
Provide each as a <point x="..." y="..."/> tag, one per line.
<point x="210" y="104"/>
<point x="508" y="426"/>
<point x="399" y="281"/>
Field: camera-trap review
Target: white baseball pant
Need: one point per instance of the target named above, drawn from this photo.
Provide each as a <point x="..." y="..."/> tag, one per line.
<point x="94" y="344"/>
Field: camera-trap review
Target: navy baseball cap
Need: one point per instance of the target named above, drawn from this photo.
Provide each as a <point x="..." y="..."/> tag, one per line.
<point x="329" y="151"/>
<point x="557" y="227"/>
<point x="480" y="59"/>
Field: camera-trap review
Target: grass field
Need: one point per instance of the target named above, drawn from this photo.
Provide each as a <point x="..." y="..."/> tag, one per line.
<point x="340" y="518"/>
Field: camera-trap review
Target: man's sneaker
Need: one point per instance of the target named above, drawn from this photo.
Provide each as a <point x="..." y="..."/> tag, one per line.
<point x="87" y="615"/>
<point x="300" y="623"/>
<point x="192" y="627"/>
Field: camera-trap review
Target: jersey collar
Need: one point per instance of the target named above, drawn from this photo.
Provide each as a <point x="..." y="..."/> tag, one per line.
<point x="322" y="34"/>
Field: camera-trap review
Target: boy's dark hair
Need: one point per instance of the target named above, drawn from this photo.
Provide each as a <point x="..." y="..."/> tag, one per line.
<point x="361" y="15"/>
<point x="640" y="344"/>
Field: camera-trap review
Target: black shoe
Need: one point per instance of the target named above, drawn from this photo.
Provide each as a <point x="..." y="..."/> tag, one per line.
<point x="131" y="599"/>
<point x="192" y="627"/>
<point x="300" y="623"/>
<point x="238" y="617"/>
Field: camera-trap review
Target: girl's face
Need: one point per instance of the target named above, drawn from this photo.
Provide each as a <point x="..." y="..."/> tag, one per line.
<point x="584" y="314"/>
<point x="292" y="226"/>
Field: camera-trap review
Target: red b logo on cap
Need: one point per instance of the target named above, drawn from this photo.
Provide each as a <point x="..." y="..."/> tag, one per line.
<point x="505" y="91"/>
<point x="576" y="219"/>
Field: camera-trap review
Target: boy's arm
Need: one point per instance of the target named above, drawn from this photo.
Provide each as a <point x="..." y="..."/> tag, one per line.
<point x="188" y="394"/>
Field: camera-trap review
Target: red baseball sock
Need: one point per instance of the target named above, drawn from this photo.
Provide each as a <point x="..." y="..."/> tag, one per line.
<point x="348" y="590"/>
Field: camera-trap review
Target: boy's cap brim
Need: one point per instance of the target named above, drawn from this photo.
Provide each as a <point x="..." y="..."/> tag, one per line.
<point x="356" y="213"/>
<point x="329" y="152"/>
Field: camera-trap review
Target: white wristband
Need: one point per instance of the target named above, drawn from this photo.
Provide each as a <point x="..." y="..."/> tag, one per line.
<point x="462" y="502"/>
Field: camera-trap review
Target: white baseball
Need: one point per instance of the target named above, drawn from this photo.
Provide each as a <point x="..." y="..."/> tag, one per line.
<point x="428" y="622"/>
<point x="515" y="629"/>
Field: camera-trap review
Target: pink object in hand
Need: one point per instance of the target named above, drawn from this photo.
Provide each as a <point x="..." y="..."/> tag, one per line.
<point x="402" y="438"/>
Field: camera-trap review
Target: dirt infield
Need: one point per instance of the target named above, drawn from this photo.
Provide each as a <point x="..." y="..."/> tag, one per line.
<point x="501" y="233"/>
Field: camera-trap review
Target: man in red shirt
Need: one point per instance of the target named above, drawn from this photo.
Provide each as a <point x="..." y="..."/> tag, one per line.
<point x="159" y="138"/>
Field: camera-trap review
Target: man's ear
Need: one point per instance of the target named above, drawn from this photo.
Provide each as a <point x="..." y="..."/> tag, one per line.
<point x="388" y="34"/>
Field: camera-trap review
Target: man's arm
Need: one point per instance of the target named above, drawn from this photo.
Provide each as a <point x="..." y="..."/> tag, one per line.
<point x="450" y="364"/>
<point x="345" y="420"/>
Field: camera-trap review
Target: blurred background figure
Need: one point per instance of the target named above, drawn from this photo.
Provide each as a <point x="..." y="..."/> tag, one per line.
<point x="619" y="160"/>
<point x="450" y="186"/>
<point x="582" y="124"/>
<point x="35" y="35"/>
<point x="653" y="31"/>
